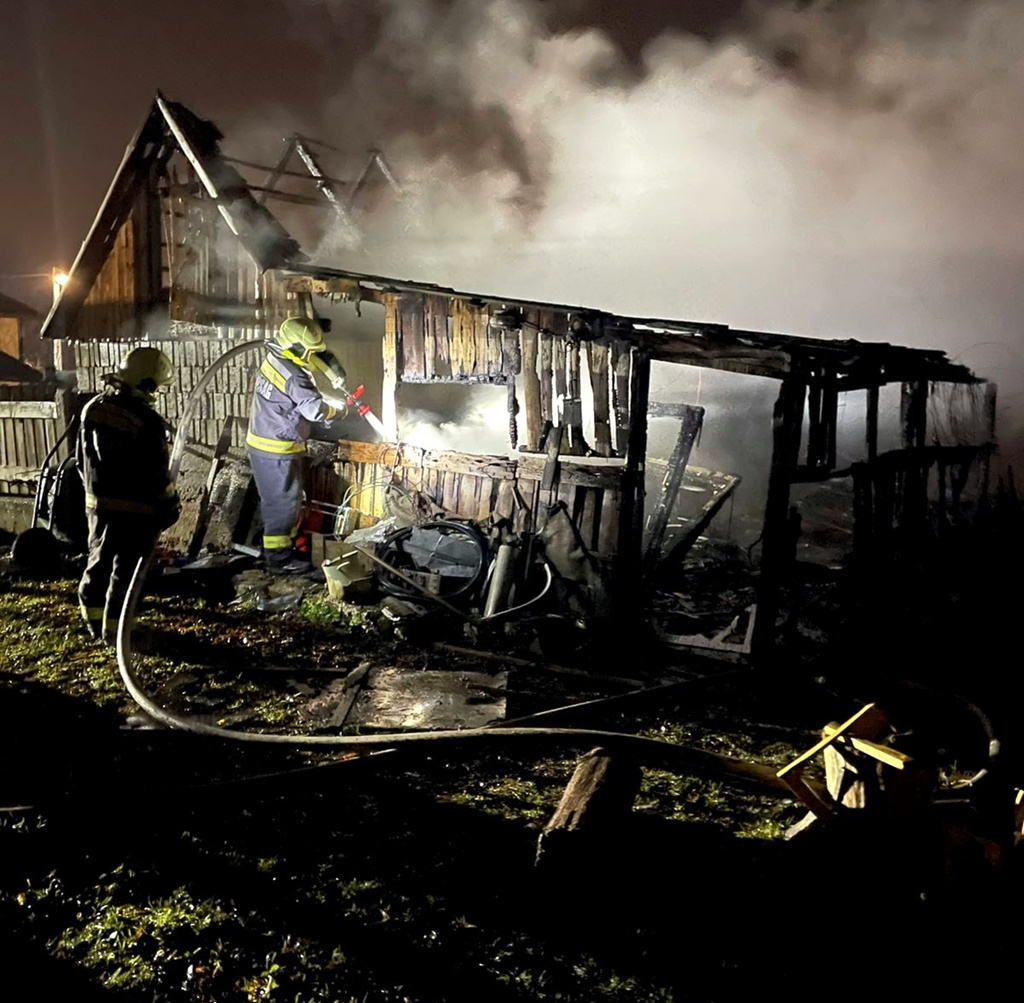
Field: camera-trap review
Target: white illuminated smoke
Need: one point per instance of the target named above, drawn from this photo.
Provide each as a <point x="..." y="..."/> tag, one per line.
<point x="838" y="170"/>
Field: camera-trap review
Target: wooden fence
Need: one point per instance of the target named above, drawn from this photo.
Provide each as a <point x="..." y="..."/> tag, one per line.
<point x="32" y="418"/>
<point x="485" y="487"/>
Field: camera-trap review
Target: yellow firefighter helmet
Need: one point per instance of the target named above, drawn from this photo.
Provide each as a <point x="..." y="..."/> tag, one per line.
<point x="301" y="337"/>
<point x="144" y="369"/>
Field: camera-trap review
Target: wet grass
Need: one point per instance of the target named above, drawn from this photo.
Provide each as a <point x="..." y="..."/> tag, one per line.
<point x="411" y="880"/>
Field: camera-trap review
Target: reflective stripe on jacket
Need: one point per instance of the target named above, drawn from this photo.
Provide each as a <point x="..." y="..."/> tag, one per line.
<point x="285" y="403"/>
<point x="122" y="455"/>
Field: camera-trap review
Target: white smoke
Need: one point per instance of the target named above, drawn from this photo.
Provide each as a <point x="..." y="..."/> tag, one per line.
<point x="837" y="170"/>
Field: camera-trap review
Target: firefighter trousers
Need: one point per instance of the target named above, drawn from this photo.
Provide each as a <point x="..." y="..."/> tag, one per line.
<point x="116" y="542"/>
<point x="279" y="481"/>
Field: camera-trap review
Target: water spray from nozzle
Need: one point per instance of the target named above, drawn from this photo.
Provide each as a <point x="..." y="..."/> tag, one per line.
<point x="363" y="409"/>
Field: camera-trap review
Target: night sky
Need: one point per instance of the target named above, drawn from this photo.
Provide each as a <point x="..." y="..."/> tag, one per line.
<point x="79" y="77"/>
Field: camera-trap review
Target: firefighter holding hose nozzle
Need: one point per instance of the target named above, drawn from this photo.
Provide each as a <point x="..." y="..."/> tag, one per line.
<point x="122" y="455"/>
<point x="285" y="405"/>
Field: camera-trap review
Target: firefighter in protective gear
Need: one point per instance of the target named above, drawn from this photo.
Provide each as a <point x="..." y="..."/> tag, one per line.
<point x="285" y="405"/>
<point x="122" y="456"/>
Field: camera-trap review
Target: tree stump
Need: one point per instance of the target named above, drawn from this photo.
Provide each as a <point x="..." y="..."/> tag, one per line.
<point x="595" y="810"/>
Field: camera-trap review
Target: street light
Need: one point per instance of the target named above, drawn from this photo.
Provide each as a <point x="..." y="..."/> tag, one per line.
<point x="60" y="280"/>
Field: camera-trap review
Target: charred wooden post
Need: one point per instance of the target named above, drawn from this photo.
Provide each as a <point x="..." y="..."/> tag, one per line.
<point x="595" y="810"/>
<point x="631" y="515"/>
<point x="990" y="427"/>
<point x="913" y="428"/>
<point x="871" y="427"/>
<point x="689" y="429"/>
<point x="775" y="542"/>
<point x="815" y="429"/>
<point x="822" y="413"/>
<point x="830" y="415"/>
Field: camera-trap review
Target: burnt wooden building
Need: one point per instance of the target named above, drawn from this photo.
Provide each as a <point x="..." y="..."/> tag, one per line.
<point x="184" y="254"/>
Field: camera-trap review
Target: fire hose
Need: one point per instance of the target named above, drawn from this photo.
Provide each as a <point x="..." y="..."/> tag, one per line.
<point x="649" y="749"/>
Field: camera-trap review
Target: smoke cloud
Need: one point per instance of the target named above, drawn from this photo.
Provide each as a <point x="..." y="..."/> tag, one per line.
<point x="848" y="170"/>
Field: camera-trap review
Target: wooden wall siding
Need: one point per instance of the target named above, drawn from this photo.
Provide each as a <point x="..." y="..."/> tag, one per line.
<point x="31" y="421"/>
<point x="485" y="487"/>
<point x="438" y="338"/>
<point x="212" y="281"/>
<point x="109" y="310"/>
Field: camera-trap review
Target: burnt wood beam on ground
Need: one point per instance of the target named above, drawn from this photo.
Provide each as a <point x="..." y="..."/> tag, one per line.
<point x="595" y="808"/>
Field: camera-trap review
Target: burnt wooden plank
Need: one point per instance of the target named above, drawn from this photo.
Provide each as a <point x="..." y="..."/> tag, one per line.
<point x="533" y="414"/>
<point x="511" y="353"/>
<point x="558" y="363"/>
<point x="411" y="338"/>
<point x="598" y="359"/>
<point x="504" y="506"/>
<point x="389" y="410"/>
<point x="438" y="321"/>
<point x="429" y="338"/>
<point x="620" y="365"/>
<point x="489" y="339"/>
<point x="689" y="428"/>
<point x="545" y="375"/>
<point x="479" y="501"/>
<point x="592" y="816"/>
<point x="464" y="344"/>
<point x="573" y="403"/>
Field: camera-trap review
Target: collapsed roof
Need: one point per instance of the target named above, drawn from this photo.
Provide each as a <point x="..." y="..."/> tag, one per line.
<point x="171" y="128"/>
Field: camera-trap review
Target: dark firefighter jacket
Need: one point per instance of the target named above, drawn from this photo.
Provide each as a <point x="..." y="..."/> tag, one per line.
<point x="285" y="404"/>
<point x="122" y="456"/>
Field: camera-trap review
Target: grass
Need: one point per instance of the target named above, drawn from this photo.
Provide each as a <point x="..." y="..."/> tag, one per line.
<point x="341" y="893"/>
